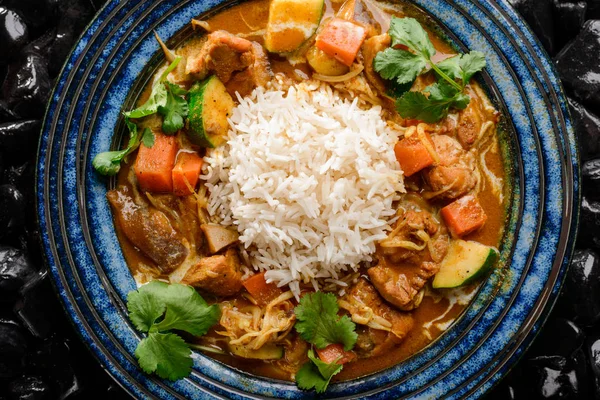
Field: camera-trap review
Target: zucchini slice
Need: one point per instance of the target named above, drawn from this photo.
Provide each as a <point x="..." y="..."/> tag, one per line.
<point x="210" y="105"/>
<point x="269" y="351"/>
<point x="465" y="262"/>
<point x="291" y="23"/>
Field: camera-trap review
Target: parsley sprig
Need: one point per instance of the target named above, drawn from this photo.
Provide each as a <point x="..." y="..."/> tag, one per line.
<point x="403" y="66"/>
<point x="318" y="323"/>
<point x="159" y="308"/>
<point x="168" y="100"/>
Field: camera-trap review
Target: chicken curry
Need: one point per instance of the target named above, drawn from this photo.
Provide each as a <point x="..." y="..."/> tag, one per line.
<point x="441" y="243"/>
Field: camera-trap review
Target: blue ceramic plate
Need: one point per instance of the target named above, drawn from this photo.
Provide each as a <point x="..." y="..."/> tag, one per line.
<point x="106" y="70"/>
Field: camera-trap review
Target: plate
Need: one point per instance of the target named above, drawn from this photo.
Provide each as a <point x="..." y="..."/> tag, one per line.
<point x="92" y="279"/>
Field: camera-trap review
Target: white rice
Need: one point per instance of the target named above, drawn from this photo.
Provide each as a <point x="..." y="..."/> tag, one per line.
<point x="308" y="178"/>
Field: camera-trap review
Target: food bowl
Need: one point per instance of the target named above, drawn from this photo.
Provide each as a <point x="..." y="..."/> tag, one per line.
<point x="108" y="68"/>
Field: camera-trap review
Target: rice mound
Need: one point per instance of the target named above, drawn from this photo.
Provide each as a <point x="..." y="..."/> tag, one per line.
<point x="308" y="178"/>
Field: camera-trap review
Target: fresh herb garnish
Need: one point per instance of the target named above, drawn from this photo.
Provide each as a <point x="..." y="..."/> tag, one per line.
<point x="403" y="66"/>
<point x="158" y="308"/>
<point x="174" y="110"/>
<point x="109" y="162"/>
<point x="318" y="323"/>
<point x="316" y="373"/>
<point x="166" y="99"/>
<point x="158" y="95"/>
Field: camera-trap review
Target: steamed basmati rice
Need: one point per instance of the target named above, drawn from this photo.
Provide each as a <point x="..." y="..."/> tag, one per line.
<point x="308" y="179"/>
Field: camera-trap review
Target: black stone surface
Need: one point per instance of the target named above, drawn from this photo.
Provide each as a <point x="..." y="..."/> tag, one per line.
<point x="41" y="356"/>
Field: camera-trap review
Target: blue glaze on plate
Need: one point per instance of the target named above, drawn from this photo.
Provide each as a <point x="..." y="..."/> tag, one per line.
<point x="92" y="278"/>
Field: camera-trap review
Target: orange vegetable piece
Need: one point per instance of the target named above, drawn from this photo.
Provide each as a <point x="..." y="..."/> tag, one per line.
<point x="187" y="168"/>
<point x="153" y="165"/>
<point x="341" y="40"/>
<point x="412" y="154"/>
<point x="464" y="216"/>
<point x="335" y="353"/>
<point x="262" y="291"/>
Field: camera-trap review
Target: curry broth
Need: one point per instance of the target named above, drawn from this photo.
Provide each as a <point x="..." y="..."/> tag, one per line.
<point x="435" y="312"/>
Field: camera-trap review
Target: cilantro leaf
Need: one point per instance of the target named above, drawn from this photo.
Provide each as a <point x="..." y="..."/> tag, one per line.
<point x="174" y="110"/>
<point x="316" y="373"/>
<point x="145" y="307"/>
<point x="167" y="354"/>
<point x="471" y="63"/>
<point x="158" y="307"/>
<point x="442" y="96"/>
<point x="148" y="137"/>
<point x="408" y="32"/>
<point x="108" y="163"/>
<point x="401" y="65"/>
<point x="186" y="310"/>
<point x="158" y="95"/>
<point x="463" y="66"/>
<point x="318" y="322"/>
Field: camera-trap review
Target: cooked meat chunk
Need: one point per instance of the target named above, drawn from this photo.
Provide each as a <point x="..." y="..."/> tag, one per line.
<point x="409" y="257"/>
<point x="370" y="48"/>
<point x="454" y="175"/>
<point x="380" y="326"/>
<point x="408" y="240"/>
<point x="149" y="230"/>
<point x="294" y="355"/>
<point x="469" y="123"/>
<point x="401" y="284"/>
<point x="219" y="275"/>
<point x="228" y="56"/>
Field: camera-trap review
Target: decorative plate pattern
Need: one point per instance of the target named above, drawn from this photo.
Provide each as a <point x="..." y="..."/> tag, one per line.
<point x="92" y="279"/>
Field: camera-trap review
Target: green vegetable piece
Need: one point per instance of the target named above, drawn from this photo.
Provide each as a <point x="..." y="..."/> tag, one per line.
<point x="210" y="106"/>
<point x="175" y="109"/>
<point x="466" y="262"/>
<point x="408" y="32"/>
<point x="316" y="373"/>
<point x="318" y="322"/>
<point x="148" y="137"/>
<point x="401" y="65"/>
<point x="167" y="354"/>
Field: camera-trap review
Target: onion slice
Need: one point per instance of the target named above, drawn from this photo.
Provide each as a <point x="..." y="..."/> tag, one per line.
<point x="340" y="78"/>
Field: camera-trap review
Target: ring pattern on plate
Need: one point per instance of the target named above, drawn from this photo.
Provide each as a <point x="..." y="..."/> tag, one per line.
<point x="93" y="280"/>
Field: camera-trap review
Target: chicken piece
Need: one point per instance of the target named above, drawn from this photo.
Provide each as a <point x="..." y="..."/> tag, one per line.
<point x="226" y="56"/>
<point x="370" y="48"/>
<point x="454" y="175"/>
<point x="401" y="285"/>
<point x="415" y="225"/>
<point x="380" y="326"/>
<point x="469" y="123"/>
<point x="294" y="355"/>
<point x="219" y="275"/>
<point x="149" y="230"/>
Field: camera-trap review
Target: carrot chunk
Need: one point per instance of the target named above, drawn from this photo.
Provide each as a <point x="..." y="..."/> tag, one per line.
<point x="464" y="216"/>
<point x="153" y="165"/>
<point x="262" y="291"/>
<point x="335" y="353"/>
<point x="412" y="154"/>
<point x="186" y="173"/>
<point x="341" y="40"/>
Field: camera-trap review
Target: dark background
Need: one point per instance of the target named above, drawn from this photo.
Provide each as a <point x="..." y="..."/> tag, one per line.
<point x="41" y="356"/>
